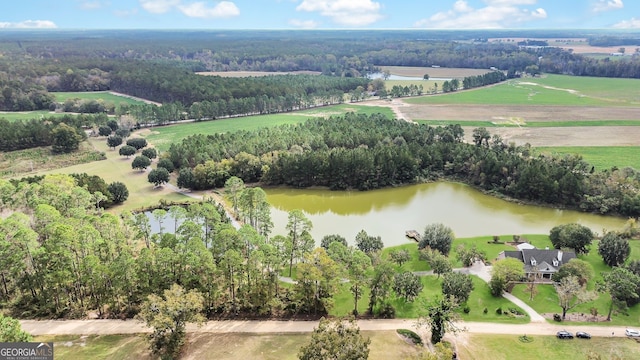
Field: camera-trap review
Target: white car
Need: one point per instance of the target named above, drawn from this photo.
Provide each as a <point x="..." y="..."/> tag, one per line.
<point x="632" y="332"/>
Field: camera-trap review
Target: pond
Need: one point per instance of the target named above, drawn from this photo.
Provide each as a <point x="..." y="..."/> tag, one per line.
<point x="390" y="212"/>
<point x="400" y="77"/>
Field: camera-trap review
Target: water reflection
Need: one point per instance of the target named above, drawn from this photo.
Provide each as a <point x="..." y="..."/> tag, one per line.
<point x="390" y="212"/>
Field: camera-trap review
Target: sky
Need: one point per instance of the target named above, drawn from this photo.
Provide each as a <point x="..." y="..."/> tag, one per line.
<point x="321" y="14"/>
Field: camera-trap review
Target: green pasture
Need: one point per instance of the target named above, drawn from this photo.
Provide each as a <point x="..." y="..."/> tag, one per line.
<point x="96" y="95"/>
<point x="163" y="137"/>
<point x="602" y="157"/>
<point x="28" y="115"/>
<point x="560" y="123"/>
<point x="506" y="347"/>
<point x="549" y="90"/>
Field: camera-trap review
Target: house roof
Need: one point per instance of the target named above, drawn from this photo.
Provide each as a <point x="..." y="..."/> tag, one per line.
<point x="546" y="261"/>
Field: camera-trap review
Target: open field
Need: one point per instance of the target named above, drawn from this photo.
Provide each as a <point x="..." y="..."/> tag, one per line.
<point x="118" y="168"/>
<point x="481" y="346"/>
<point x="28" y="115"/>
<point x="577" y="45"/>
<point x="231" y="346"/>
<point x="162" y="137"/>
<point x="96" y="95"/>
<point x="384" y="345"/>
<point x="254" y="73"/>
<point x="602" y="157"/>
<point x="440" y="72"/>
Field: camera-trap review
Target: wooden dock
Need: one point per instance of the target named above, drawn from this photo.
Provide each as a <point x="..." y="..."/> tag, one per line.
<point x="413" y="234"/>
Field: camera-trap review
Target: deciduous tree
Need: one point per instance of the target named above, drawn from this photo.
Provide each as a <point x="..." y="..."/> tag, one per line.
<point x="574" y="236"/>
<point x="438" y="237"/>
<point x="458" y="285"/>
<point x="614" y="249"/>
<point x="440" y="317"/>
<point x="336" y="340"/>
<point x="407" y="285"/>
<point x="140" y="162"/>
<point x="505" y="272"/>
<point x="158" y="176"/>
<point x="621" y="284"/>
<point x="168" y="316"/>
<point x="571" y="294"/>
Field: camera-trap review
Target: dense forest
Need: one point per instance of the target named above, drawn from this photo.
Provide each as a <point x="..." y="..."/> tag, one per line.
<point x="65" y="257"/>
<point x="356" y="151"/>
<point x="165" y="72"/>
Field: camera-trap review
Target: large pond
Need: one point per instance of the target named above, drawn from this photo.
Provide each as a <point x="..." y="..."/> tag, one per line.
<point x="400" y="77"/>
<point x="390" y="212"/>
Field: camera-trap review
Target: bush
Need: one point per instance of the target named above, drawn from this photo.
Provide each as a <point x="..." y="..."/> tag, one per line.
<point x="415" y="338"/>
<point x="515" y="311"/>
<point x="466" y="309"/>
<point x="387" y="312"/>
<point x="557" y="317"/>
<point x="486" y="311"/>
<point x="499" y="311"/>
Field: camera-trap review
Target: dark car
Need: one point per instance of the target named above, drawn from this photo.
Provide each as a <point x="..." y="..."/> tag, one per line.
<point x="563" y="334"/>
<point x="583" y="335"/>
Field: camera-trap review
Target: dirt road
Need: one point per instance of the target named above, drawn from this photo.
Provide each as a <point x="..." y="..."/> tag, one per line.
<point x="106" y="327"/>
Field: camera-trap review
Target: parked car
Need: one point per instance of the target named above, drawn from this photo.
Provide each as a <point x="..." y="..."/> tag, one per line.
<point x="564" y="334"/>
<point x="632" y="332"/>
<point x="583" y="335"/>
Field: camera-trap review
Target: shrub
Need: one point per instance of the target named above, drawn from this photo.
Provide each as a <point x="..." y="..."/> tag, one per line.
<point x="415" y="338"/>
<point x="557" y="317"/>
<point x="466" y="309"/>
<point x="387" y="312"/>
<point x="499" y="311"/>
<point x="486" y="311"/>
<point x="515" y="311"/>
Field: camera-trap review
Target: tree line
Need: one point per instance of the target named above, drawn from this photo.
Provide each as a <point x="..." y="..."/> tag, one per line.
<point x="368" y="152"/>
<point x="26" y="134"/>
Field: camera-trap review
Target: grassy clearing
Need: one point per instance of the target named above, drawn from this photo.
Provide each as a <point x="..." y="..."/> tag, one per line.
<point x="602" y="157"/>
<point x="96" y="95"/>
<point x="163" y="137"/>
<point x="118" y="168"/>
<point x="491" y="124"/>
<point x="27" y="162"/>
<point x="28" y="115"/>
<point x="384" y="345"/>
<point x="96" y="347"/>
<point x="482" y="346"/>
<point x="550" y="90"/>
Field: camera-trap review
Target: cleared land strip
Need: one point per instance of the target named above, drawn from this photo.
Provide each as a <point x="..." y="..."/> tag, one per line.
<point x="112" y="327"/>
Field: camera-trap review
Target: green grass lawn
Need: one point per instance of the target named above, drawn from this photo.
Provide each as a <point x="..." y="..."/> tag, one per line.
<point x="28" y="115"/>
<point x="95" y="95"/>
<point x="549" y="90"/>
<point x="602" y="157"/>
<point x="163" y="137"/>
<point x="507" y="347"/>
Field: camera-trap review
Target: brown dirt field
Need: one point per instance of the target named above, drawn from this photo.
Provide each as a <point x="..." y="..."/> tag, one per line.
<point x="253" y="73"/>
<point x="502" y="113"/>
<point x="543" y="136"/>
<point x="433" y="72"/>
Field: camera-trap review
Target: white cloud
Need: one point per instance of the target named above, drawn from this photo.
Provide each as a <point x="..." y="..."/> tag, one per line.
<point x="495" y="15"/>
<point x="158" y="6"/>
<point x="345" y="12"/>
<point x="606" y="5"/>
<point x="200" y="9"/>
<point x="125" y="13"/>
<point x="29" y="24"/>
<point x="304" y="24"/>
<point x="628" y="24"/>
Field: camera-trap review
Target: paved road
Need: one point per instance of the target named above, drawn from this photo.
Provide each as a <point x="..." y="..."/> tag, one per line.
<point x="108" y="327"/>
